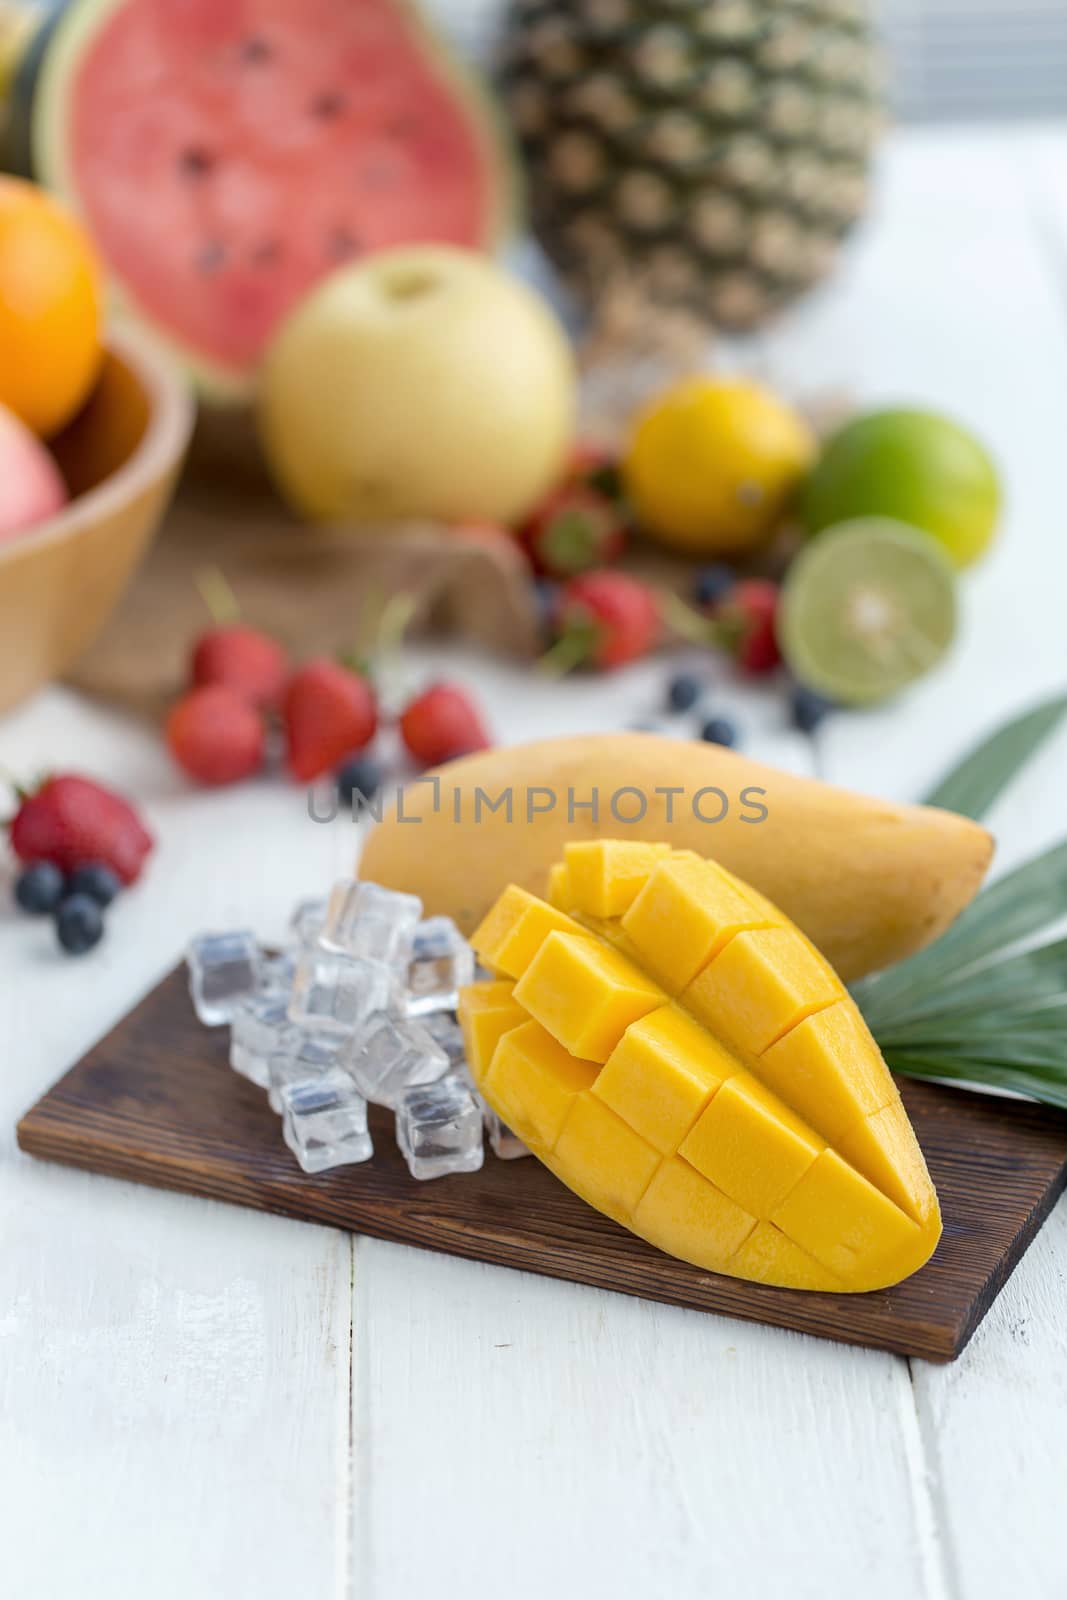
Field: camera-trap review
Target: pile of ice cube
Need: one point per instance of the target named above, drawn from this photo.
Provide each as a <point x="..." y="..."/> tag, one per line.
<point x="360" y="1007"/>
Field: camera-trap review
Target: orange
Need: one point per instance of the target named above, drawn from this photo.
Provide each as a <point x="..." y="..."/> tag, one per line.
<point x="51" y="308"/>
<point x="713" y="464"/>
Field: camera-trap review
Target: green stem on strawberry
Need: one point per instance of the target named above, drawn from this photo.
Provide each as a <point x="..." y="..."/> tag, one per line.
<point x="682" y="620"/>
<point x="217" y="594"/>
<point x="395" y="619"/>
<point x="573" y="648"/>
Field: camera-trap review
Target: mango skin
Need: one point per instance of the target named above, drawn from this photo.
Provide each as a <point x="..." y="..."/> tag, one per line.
<point x="868" y="881"/>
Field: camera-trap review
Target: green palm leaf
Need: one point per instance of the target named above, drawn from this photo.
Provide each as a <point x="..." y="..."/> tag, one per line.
<point x="974" y="786"/>
<point x="987" y="1004"/>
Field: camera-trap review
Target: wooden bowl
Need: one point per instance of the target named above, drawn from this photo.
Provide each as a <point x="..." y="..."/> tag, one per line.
<point x="120" y="457"/>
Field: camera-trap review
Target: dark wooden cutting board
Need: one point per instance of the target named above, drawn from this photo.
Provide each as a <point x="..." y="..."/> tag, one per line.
<point x="156" y="1102"/>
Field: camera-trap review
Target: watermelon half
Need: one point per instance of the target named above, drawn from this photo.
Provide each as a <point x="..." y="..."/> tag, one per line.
<point x="227" y="154"/>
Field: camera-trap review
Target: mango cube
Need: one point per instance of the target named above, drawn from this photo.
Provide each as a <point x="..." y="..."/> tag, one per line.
<point x="829" y="1070"/>
<point x="847" y="1224"/>
<point x="750" y="1145"/>
<point x="882" y="1147"/>
<point x="585" y="994"/>
<point x="615" y="1162"/>
<point x="538" y="1081"/>
<point x="515" y="928"/>
<point x="605" y="876"/>
<point x="770" y="1256"/>
<point x="686" y="913"/>
<point x="559" y="887"/>
<point x="686" y="1215"/>
<point x="749" y="1124"/>
<point x="487" y="1011"/>
<point x="662" y="1073"/>
<point x="759" y="986"/>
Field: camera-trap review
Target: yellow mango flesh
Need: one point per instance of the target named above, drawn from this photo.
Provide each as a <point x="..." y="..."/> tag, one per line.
<point x="693" y="1068"/>
<point x="866" y="880"/>
<point x="604" y="876"/>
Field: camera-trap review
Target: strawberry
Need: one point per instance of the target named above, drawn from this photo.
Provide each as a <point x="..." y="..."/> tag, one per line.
<point x="215" y="735"/>
<point x="330" y="713"/>
<point x="605" y="619"/>
<point x="578" y="527"/>
<point x="745" y="625"/>
<point x="72" y="820"/>
<point x="231" y="653"/>
<point x="441" y="723"/>
<point x="242" y="659"/>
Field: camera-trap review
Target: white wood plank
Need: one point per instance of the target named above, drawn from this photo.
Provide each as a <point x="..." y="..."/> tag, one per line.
<point x="173" y="1388"/>
<point x="994" y="1422"/>
<point x="173" y="1374"/>
<point x="993" y="1430"/>
<point x="955" y="300"/>
<point x="517" y="1435"/>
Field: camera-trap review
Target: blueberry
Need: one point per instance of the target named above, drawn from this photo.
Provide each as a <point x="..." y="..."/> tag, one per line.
<point x="546" y="604"/>
<point x="808" y="708"/>
<point x="713" y="583"/>
<point x="39" y="888"/>
<point x="719" y="730"/>
<point x="79" y="924"/>
<point x="360" y="775"/>
<point x="96" y="880"/>
<point x="683" y="691"/>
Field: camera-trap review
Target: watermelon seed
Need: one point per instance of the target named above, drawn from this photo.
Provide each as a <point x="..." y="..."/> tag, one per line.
<point x="255" y="50"/>
<point x="211" y="257"/>
<point x="328" y="106"/>
<point x="196" y="162"/>
<point x="266" y="254"/>
<point x="343" y="244"/>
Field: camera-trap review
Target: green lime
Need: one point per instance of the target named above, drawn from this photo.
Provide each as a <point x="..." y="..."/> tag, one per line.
<point x="866" y="608"/>
<point x="917" y="466"/>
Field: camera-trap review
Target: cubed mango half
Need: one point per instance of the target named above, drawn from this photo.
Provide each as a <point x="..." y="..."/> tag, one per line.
<point x="747" y="1125"/>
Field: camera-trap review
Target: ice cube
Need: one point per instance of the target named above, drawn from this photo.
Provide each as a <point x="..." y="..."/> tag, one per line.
<point x="223" y="969"/>
<point x="447" y="1034"/>
<point x="338" y="993"/>
<point x="363" y="919"/>
<point x="260" y="1029"/>
<point x="324" y="1122"/>
<point x="503" y="1143"/>
<point x="300" y="1059"/>
<point x="278" y="973"/>
<point x="385" y="1057"/>
<point x="439" y="1129"/>
<point x="441" y="963"/>
<point x="307" y="921"/>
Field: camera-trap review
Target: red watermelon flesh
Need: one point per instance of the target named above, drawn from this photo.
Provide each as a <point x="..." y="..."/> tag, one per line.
<point x="226" y="154"/>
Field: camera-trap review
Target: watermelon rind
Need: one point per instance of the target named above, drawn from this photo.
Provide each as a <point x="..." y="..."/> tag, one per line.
<point x="26" y="26"/>
<point x="69" y="37"/>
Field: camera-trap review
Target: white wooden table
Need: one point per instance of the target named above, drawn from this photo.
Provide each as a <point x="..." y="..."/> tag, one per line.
<point x="200" y="1403"/>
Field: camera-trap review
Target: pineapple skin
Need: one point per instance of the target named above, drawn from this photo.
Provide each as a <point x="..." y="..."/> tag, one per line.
<point x="711" y="153"/>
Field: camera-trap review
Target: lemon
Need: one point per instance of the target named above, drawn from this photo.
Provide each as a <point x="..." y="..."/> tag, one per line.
<point x="713" y="463"/>
<point x="916" y="466"/>
<point x="866" y="609"/>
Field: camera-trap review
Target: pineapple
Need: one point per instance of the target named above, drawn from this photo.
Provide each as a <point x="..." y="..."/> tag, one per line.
<point x="715" y="152"/>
